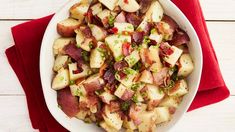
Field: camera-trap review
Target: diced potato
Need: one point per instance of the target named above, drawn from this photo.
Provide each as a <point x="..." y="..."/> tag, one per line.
<point x="120" y="90"/>
<point x="148" y="119"/>
<point x="66" y="27"/>
<point x="154" y="55"/>
<point x="97" y="58"/>
<point x="74" y="76"/>
<point x="93" y="83"/>
<point x="79" y="37"/>
<point x="79" y="10"/>
<point x="128" y="80"/>
<point x="86" y="45"/>
<point x="146" y="77"/>
<point x="155" y="12"/>
<point x="154" y="93"/>
<point x="156" y="37"/>
<point x="124" y="27"/>
<point x="60" y="43"/>
<point x="142" y="25"/>
<point x="115" y="44"/>
<point x="129" y="124"/>
<point x="170" y="101"/>
<point x="103" y="14"/>
<point x="110" y="4"/>
<point x="163" y="114"/>
<point x="133" y="58"/>
<point x="98" y="32"/>
<point x="61" y="80"/>
<point x="60" y="61"/>
<point x="78" y="90"/>
<point x="107" y="128"/>
<point x="106" y="97"/>
<point x="173" y="58"/>
<point x="97" y="8"/>
<point x="130" y="6"/>
<point x="112" y="119"/>
<point x="82" y="114"/>
<point x="186" y="65"/>
<point x="179" y="89"/>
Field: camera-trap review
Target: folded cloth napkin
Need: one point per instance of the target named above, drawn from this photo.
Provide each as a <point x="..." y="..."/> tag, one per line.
<point x="24" y="59"/>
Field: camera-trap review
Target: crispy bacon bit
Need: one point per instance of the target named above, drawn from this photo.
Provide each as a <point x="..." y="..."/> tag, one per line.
<point x="105" y="22"/>
<point x="120" y="65"/>
<point x="152" y="104"/>
<point x="96" y="20"/>
<point x="114" y="106"/>
<point x="79" y="70"/>
<point x="89" y="16"/>
<point x="78" y="81"/>
<point x="122" y="75"/>
<point x="145" y="57"/>
<point x="120" y="17"/>
<point x="138" y="36"/>
<point x="102" y="69"/>
<point x="109" y="76"/>
<point x="180" y="37"/>
<point x="126" y="1"/>
<point x="113" y="30"/>
<point x="74" y="52"/>
<point x="144" y="5"/>
<point x="172" y="110"/>
<point x="165" y="49"/>
<point x="133" y="19"/>
<point x="160" y="76"/>
<point x="86" y="31"/>
<point x="127" y="95"/>
<point x="148" y="28"/>
<point x="69" y="103"/>
<point x="126" y="48"/>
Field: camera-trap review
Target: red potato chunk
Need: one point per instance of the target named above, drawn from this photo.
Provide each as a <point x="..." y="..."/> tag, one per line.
<point x="68" y="103"/>
<point x="93" y="83"/>
<point x="66" y="27"/>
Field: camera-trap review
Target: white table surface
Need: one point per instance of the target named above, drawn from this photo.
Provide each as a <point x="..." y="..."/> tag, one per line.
<point x="218" y="117"/>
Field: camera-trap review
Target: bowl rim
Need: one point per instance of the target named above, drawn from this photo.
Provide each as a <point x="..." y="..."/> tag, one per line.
<point x="44" y="47"/>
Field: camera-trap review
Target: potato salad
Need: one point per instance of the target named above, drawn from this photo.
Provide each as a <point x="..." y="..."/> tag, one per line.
<point x="120" y="64"/>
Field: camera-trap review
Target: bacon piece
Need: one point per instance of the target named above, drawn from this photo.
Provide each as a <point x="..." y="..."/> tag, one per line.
<point x="97" y="21"/>
<point x="109" y="76"/>
<point x="165" y="49"/>
<point x="138" y="36"/>
<point x="127" y="95"/>
<point x="160" y="76"/>
<point x="152" y="104"/>
<point x="180" y="37"/>
<point x="122" y="75"/>
<point x="86" y="31"/>
<point x="121" y="18"/>
<point x="89" y="16"/>
<point x="74" y="52"/>
<point x="120" y="65"/>
<point x="113" y="30"/>
<point x="102" y="69"/>
<point x="114" y="106"/>
<point x="126" y="48"/>
<point x="146" y="57"/>
<point x="144" y="5"/>
<point x="133" y="19"/>
<point x="69" y="103"/>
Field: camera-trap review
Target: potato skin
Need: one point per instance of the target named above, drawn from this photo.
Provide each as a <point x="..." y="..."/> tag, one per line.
<point x="66" y="31"/>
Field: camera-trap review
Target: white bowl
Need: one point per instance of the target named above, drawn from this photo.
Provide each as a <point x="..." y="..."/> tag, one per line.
<point x="47" y="60"/>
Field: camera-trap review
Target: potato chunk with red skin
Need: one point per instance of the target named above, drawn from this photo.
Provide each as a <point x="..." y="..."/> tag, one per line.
<point x="68" y="103"/>
<point x="93" y="83"/>
<point x="66" y="27"/>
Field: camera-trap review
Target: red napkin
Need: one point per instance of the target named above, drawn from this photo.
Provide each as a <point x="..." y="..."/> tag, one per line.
<point x="24" y="59"/>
